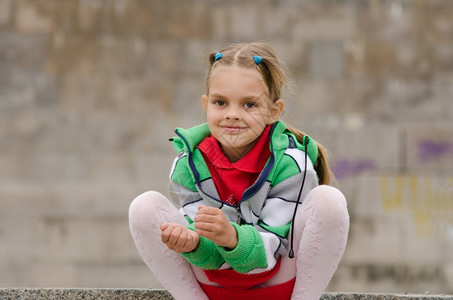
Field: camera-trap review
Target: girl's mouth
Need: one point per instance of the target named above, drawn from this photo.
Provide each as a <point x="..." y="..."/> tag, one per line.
<point x="232" y="129"/>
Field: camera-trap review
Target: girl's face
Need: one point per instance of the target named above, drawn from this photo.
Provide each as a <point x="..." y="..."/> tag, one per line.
<point x="238" y="108"/>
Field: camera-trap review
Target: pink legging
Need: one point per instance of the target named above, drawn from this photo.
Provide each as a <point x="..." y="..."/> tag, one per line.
<point x="320" y="236"/>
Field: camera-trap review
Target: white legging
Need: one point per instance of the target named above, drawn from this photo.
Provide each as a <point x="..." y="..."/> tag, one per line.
<point x="320" y="236"/>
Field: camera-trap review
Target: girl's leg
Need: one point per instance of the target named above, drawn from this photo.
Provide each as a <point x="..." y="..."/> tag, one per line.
<point x="146" y="213"/>
<point x="320" y="235"/>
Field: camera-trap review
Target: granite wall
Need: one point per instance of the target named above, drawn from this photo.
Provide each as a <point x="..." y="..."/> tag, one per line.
<point x="90" y="91"/>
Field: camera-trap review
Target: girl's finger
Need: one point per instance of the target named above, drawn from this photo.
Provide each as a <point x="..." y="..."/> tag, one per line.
<point x="208" y="210"/>
<point x="205" y="226"/>
<point x="174" y="236"/>
<point x="182" y="238"/>
<point x="163" y="226"/>
<point x="166" y="233"/>
<point x="203" y="233"/>
<point x="206" y="218"/>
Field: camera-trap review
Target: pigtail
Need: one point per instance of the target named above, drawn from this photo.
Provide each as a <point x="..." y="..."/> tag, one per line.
<point x="211" y="58"/>
<point x="322" y="163"/>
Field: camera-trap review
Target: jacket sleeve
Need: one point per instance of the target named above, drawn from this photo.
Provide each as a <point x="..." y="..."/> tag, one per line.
<point x="206" y="255"/>
<point x="249" y="253"/>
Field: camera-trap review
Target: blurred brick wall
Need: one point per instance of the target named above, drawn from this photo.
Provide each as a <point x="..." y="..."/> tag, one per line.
<point x="91" y="90"/>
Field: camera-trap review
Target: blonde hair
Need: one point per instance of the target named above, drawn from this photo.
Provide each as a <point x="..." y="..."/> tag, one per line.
<point x="270" y="68"/>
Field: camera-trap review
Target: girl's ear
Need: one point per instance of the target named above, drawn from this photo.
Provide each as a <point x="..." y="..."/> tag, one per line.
<point x="276" y="111"/>
<point x="204" y="100"/>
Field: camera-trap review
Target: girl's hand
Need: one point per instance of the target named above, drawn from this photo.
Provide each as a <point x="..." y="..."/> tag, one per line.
<point x="179" y="238"/>
<point x="211" y="223"/>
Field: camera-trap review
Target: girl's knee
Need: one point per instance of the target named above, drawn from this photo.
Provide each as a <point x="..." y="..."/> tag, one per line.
<point x="330" y="202"/>
<point x="145" y="202"/>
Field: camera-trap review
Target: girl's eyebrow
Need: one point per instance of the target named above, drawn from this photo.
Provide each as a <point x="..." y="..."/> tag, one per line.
<point x="211" y="95"/>
<point x="253" y="97"/>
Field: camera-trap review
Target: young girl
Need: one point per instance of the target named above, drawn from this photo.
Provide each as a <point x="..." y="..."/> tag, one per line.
<point x="257" y="219"/>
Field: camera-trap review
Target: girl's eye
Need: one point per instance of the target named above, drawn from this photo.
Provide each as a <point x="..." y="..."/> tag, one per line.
<point x="219" y="103"/>
<point x="249" y="105"/>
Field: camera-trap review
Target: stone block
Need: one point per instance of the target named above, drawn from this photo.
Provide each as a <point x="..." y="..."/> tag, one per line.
<point x="61" y="48"/>
<point x="410" y="100"/>
<point x="355" y="96"/>
<point x="44" y="168"/>
<point x="12" y="168"/>
<point x="5" y="12"/>
<point x="163" y="59"/>
<point x="295" y="55"/>
<point x="106" y="55"/>
<point x="94" y="200"/>
<point x="154" y="171"/>
<point x="35" y="17"/>
<point x="379" y="59"/>
<point x="93" y="275"/>
<point x="311" y="23"/>
<point x="186" y="99"/>
<point x="410" y="60"/>
<point x="110" y="167"/>
<point x="448" y="273"/>
<point x="443" y="89"/>
<point x="123" y="57"/>
<point x="312" y="102"/>
<point x="25" y="52"/>
<point x="188" y="20"/>
<point x="194" y="61"/>
<point x="243" y="22"/>
<point x="88" y="15"/>
<point x="326" y="60"/>
<point x="116" y="132"/>
<point x="85" y="240"/>
<point x="274" y="21"/>
<point x="56" y="274"/>
<point x="442" y="56"/>
<point x="48" y="130"/>
<point x="14" y="274"/>
<point x="333" y="103"/>
<point x="25" y="89"/>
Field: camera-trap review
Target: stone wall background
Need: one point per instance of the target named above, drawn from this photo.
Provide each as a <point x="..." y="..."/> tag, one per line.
<point x="90" y="91"/>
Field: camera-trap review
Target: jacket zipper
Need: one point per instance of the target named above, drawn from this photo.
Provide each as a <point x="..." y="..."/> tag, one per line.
<point x="239" y="219"/>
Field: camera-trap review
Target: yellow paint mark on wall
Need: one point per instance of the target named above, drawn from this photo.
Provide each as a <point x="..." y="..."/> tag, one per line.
<point x="428" y="200"/>
<point x="392" y="200"/>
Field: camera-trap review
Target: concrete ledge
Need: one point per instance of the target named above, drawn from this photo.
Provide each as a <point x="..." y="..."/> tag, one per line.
<point x="149" y="294"/>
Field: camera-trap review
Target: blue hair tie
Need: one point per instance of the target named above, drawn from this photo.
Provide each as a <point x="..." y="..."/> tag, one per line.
<point x="257" y="59"/>
<point x="218" y="56"/>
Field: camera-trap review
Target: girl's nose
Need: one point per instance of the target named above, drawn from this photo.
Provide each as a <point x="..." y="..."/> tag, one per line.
<point x="233" y="114"/>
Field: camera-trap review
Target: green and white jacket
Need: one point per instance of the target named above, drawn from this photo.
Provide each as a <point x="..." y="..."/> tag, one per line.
<point x="263" y="216"/>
